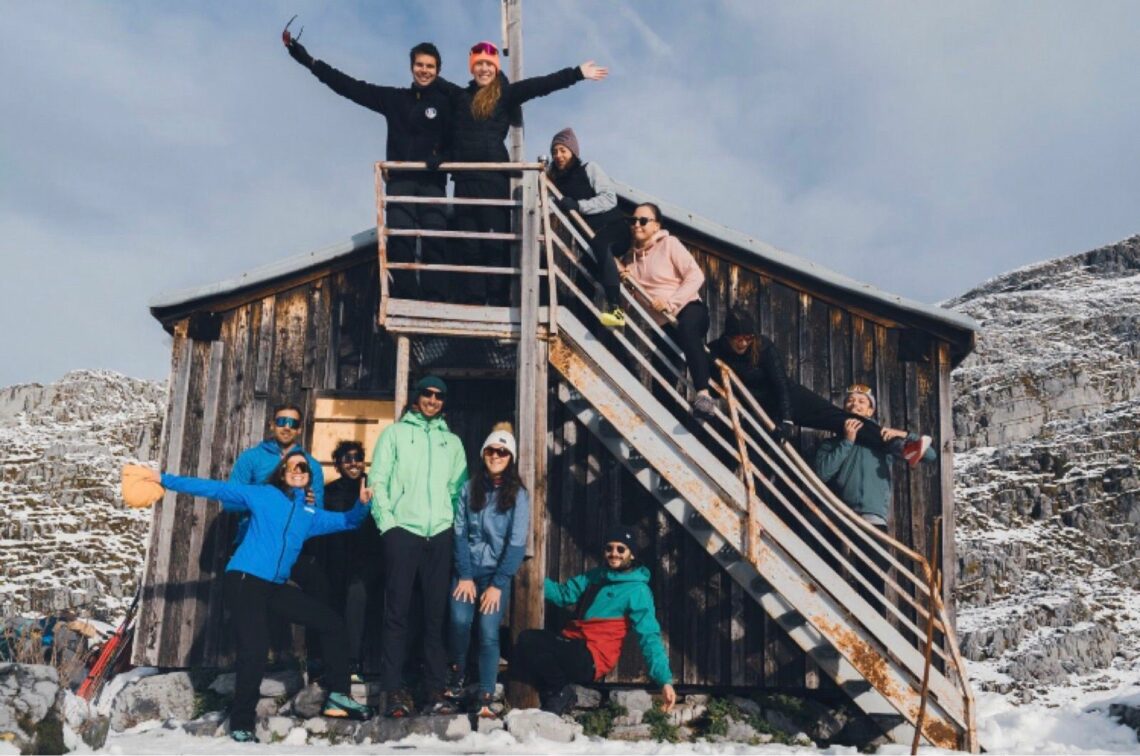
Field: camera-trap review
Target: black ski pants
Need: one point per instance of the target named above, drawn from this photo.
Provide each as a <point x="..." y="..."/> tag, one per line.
<point x="256" y="604"/>
<point x="408" y="559"/>
<point x="432" y="285"/>
<point x="609" y="243"/>
<point x="690" y="333"/>
<point x="549" y="661"/>
<point x="365" y="584"/>
<point x="481" y="288"/>
<point x="810" y="410"/>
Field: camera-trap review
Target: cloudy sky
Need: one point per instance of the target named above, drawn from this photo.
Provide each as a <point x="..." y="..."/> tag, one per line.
<point x="921" y="147"/>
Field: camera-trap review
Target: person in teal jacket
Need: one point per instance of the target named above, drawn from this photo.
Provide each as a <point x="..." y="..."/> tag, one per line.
<point x="256" y="587"/>
<point x="610" y="599"/>
<point x="418" y="468"/>
<point x="491" y="529"/>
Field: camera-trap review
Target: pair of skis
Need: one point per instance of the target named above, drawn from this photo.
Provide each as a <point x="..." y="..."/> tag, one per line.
<point x="110" y="653"/>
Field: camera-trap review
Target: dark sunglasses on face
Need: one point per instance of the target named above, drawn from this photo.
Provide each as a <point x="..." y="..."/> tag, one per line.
<point x="485" y="48"/>
<point x="616" y="548"/>
<point x="492" y="451"/>
<point x="286" y="422"/>
<point x="640" y="221"/>
<point x="351" y="457"/>
<point x="432" y="394"/>
<point x="300" y="467"/>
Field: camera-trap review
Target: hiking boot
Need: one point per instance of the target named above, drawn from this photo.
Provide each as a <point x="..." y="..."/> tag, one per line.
<point x="485" y="706"/>
<point x="614" y="318"/>
<point x="913" y="451"/>
<point x="399" y="705"/>
<point x="438" y="705"/>
<point x="704" y="407"/>
<point x="455" y="686"/>
<point x="243" y="736"/>
<point x="561" y="701"/>
<point x="342" y="706"/>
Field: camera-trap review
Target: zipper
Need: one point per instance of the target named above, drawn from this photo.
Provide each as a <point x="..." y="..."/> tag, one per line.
<point x="284" y="537"/>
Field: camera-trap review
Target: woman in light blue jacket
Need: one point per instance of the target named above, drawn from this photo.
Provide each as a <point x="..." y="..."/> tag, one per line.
<point x="491" y="527"/>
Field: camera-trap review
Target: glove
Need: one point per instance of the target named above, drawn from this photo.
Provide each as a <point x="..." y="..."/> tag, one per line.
<point x="566" y="204"/>
<point x="433" y="162"/>
<point x="783" y="431"/>
<point x="297" y="51"/>
<point x="139" y="487"/>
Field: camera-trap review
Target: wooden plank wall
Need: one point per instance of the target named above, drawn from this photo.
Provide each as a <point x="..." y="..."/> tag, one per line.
<point x="322" y="335"/>
<point x="318" y="335"/>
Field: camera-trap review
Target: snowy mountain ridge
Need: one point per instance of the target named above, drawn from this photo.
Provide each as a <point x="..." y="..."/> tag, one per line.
<point x="65" y="539"/>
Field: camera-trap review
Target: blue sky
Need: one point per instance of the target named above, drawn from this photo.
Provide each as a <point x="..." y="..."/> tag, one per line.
<point x="920" y="147"/>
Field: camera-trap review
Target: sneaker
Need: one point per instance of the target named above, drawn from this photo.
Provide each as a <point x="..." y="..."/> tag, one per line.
<point x="704" y="407"/>
<point x="399" y="705"/>
<point x="562" y="701"/>
<point x="614" y="318"/>
<point x="342" y="706"/>
<point x="485" y="706"/>
<point x="913" y="451"/>
<point x="243" y="736"/>
<point x="455" y="686"/>
<point x="438" y="705"/>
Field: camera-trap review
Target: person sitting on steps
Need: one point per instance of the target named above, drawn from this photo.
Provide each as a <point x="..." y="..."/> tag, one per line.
<point x="587" y="189"/>
<point x="611" y="599"/>
<point x="672" y="280"/>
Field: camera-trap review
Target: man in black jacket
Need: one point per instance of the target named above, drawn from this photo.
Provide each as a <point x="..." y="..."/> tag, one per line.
<point x="419" y="128"/>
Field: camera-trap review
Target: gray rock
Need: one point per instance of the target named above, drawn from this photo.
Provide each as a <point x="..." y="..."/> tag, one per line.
<point x="485" y="726"/>
<point x="636" y="703"/>
<point x="383" y="730"/>
<point x="747" y="706"/>
<point x="281" y="683"/>
<point x="588" y="698"/>
<point x="342" y="730"/>
<point x="1126" y="714"/>
<point x="453" y="727"/>
<point x="824" y="722"/>
<point x="224" y="684"/>
<point x="316" y="725"/>
<point x="308" y="703"/>
<point x="780" y="721"/>
<point x="27" y="694"/>
<point x="94" y="732"/>
<point x="740" y="732"/>
<point x="169" y="696"/>
<point x="532" y="723"/>
<point x="206" y="726"/>
<point x="273" y="729"/>
<point x="630" y="732"/>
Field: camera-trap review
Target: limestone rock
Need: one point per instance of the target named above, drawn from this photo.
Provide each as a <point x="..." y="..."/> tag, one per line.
<point x="168" y="696"/>
<point x="631" y="732"/>
<point x="209" y="725"/>
<point x="309" y="702"/>
<point x="588" y="698"/>
<point x="636" y="703"/>
<point x="533" y="723"/>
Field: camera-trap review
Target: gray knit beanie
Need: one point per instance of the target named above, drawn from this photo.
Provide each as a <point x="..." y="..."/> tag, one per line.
<point x="567" y="139"/>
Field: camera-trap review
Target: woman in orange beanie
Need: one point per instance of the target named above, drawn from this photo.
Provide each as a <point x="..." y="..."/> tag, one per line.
<point x="484" y="112"/>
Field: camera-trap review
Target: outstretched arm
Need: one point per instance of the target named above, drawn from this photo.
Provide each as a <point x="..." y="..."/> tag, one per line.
<point x="371" y="96"/>
<point x="334" y="522"/>
<point x="539" y="86"/>
<point x="234" y="496"/>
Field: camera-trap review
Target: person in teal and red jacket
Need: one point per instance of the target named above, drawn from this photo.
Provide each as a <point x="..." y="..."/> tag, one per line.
<point x="611" y="599"/>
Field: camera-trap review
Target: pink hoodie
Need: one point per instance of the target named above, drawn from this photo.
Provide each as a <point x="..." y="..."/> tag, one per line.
<point x="666" y="270"/>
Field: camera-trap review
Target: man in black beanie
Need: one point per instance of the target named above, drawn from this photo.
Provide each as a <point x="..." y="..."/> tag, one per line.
<point x="610" y="598"/>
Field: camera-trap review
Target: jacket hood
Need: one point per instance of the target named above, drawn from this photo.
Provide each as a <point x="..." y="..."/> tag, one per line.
<point x="639" y="574"/>
<point x="658" y="237"/>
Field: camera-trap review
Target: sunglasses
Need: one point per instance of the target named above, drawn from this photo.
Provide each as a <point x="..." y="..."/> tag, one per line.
<point x="300" y="467"/>
<point x="494" y="451"/>
<point x="485" y="48"/>
<point x="616" y="548"/>
<point x="433" y="394"/>
<point x="286" y="422"/>
<point x="640" y="221"/>
<point x="351" y="457"/>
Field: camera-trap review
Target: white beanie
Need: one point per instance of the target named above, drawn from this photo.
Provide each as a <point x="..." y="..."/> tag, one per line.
<point x="502" y="437"/>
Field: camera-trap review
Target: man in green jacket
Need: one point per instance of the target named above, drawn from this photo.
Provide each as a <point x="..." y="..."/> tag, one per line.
<point x="611" y="598"/>
<point x="418" y="467"/>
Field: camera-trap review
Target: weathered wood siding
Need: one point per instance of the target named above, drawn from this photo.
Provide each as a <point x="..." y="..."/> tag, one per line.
<point x="321" y="335"/>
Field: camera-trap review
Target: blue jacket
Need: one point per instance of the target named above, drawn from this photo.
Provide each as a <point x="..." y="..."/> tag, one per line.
<point x="279" y="524"/>
<point x="257" y="463"/>
<point x="490" y="542"/>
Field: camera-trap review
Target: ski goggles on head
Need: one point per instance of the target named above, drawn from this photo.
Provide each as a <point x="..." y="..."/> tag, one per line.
<point x="859" y="388"/>
<point x="484" y="48"/>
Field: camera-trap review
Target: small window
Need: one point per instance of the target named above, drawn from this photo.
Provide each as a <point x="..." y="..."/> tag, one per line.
<point x="348" y="417"/>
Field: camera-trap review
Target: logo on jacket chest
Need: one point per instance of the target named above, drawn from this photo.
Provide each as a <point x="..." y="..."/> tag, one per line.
<point x="430" y="113"/>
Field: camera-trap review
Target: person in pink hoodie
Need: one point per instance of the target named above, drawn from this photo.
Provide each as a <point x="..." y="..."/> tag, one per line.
<point x="672" y="281"/>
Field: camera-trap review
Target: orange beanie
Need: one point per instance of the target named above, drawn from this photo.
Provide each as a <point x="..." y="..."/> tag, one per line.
<point x="483" y="51"/>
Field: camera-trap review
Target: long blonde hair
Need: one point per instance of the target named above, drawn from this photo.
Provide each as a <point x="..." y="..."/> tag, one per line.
<point x="484" y="102"/>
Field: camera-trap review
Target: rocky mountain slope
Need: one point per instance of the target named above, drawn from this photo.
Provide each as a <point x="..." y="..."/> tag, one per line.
<point x="65" y="538"/>
<point x="1047" y="417"/>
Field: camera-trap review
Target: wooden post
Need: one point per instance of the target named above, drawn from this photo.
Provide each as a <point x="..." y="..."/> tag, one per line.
<point x="401" y="392"/>
<point x="528" y="604"/>
<point x="513" y="48"/>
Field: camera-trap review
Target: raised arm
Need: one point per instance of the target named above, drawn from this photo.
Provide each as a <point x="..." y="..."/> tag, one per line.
<point x="334" y="522"/>
<point x="539" y="86"/>
<point x="371" y="96"/>
<point x="235" y="497"/>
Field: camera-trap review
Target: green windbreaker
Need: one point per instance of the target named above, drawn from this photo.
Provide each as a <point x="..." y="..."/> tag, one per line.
<point x="418" y="467"/>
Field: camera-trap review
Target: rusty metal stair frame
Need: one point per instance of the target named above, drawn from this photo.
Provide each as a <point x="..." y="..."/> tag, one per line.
<point x="874" y="649"/>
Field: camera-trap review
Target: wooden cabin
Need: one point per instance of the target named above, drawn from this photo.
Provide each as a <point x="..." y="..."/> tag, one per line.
<point x="306" y="330"/>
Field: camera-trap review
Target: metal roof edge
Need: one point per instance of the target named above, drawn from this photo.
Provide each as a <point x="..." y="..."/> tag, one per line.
<point x="771" y="254"/>
<point x="265" y="273"/>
